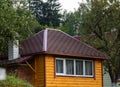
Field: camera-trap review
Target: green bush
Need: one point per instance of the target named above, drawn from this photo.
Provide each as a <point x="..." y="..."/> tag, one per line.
<point x="13" y="81"/>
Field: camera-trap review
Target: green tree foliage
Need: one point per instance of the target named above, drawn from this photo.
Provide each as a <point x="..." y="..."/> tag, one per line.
<point x="46" y="12"/>
<point x="72" y="22"/>
<point x="16" y="21"/>
<point x="102" y="18"/>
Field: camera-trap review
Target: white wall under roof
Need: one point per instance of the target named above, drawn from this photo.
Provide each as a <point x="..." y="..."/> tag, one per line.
<point x="13" y="49"/>
<point x="107" y="80"/>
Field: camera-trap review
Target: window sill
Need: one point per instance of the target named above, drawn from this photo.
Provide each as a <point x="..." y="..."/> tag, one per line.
<point x="80" y="76"/>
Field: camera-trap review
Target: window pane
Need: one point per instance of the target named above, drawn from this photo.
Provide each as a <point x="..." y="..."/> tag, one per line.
<point x="88" y="68"/>
<point x="69" y="67"/>
<point x="79" y="67"/>
<point x="59" y="66"/>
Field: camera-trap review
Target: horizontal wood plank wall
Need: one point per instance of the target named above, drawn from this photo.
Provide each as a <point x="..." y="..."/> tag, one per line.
<point x="58" y="81"/>
<point x="26" y="73"/>
<point x="23" y="71"/>
<point x="39" y="67"/>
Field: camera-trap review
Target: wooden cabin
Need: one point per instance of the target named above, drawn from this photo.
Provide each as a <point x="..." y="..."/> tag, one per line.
<point x="52" y="58"/>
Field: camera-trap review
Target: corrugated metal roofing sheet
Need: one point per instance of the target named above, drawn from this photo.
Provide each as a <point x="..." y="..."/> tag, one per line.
<point x="57" y="42"/>
<point x="64" y="44"/>
<point x="32" y="45"/>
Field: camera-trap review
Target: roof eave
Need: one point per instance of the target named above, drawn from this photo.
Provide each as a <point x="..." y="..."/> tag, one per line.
<point x="78" y="56"/>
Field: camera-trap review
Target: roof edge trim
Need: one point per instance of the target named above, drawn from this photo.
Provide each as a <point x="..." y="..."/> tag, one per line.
<point x="45" y="39"/>
<point x="82" y="56"/>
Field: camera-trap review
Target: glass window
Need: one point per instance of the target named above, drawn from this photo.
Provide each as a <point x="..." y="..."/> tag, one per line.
<point x="88" y="68"/>
<point x="79" y="67"/>
<point x="69" y="67"/>
<point x="74" y="67"/>
<point x="59" y="66"/>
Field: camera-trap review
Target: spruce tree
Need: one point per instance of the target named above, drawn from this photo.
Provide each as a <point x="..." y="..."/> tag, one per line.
<point x="46" y="12"/>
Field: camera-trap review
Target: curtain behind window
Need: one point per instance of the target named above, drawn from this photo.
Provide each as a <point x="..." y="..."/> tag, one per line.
<point x="88" y="68"/>
<point x="79" y="67"/>
<point x="59" y="66"/>
<point x="69" y="67"/>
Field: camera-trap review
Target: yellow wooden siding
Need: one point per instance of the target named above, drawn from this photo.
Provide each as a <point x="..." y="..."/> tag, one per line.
<point x="61" y="81"/>
<point x="40" y="74"/>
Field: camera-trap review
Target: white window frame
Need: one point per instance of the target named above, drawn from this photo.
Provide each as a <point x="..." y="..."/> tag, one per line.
<point x="74" y="60"/>
<point x="92" y="68"/>
<point x="83" y="67"/>
<point x="63" y="66"/>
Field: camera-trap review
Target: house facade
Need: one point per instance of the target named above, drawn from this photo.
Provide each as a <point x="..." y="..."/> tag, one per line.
<point x="52" y="58"/>
<point x="56" y="77"/>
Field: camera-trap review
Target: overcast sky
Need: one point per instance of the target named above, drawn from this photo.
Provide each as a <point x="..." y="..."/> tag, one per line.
<point x="70" y="5"/>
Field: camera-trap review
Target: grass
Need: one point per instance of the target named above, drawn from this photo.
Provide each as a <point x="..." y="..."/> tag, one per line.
<point x="13" y="81"/>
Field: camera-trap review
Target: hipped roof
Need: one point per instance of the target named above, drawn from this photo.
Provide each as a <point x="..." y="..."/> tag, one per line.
<point x="56" y="42"/>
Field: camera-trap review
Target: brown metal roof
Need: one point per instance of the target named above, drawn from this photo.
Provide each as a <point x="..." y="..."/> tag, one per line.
<point x="57" y="42"/>
<point x="64" y="44"/>
<point x="32" y="45"/>
<point x="19" y="60"/>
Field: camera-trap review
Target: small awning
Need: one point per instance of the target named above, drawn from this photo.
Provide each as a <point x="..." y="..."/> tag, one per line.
<point x="19" y="60"/>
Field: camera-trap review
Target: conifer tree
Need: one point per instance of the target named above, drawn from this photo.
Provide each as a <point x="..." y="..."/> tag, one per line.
<point x="46" y="12"/>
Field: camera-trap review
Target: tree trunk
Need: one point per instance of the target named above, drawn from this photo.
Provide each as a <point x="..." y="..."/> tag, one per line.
<point x="114" y="84"/>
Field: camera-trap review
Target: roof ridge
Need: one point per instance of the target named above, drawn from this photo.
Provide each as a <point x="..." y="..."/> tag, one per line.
<point x="48" y="43"/>
<point x="62" y="32"/>
<point x="45" y="37"/>
<point x="32" y="35"/>
<point x="88" y="45"/>
<point x="75" y="39"/>
<point x="81" y="41"/>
